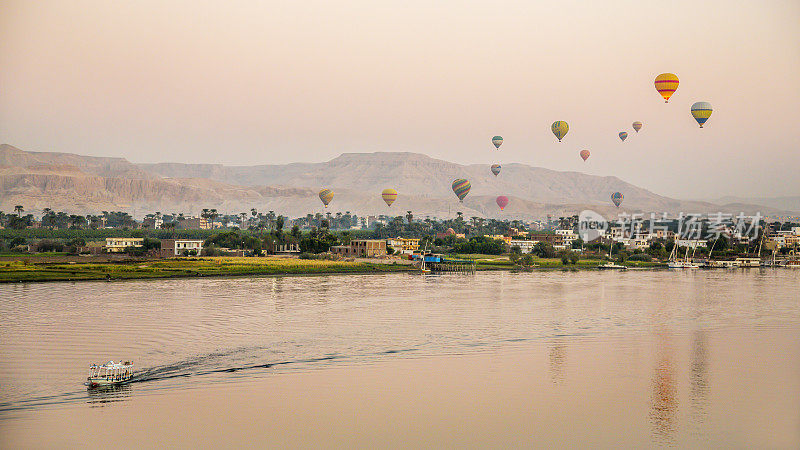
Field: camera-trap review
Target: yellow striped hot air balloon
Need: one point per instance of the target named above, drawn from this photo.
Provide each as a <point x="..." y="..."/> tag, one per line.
<point x="560" y="129"/>
<point x="701" y="111"/>
<point x="326" y="195"/>
<point x="666" y="85"/>
<point x="637" y="126"/>
<point x="389" y="196"/>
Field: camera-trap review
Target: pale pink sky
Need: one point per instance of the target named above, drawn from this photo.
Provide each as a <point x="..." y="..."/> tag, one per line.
<point x="273" y="82"/>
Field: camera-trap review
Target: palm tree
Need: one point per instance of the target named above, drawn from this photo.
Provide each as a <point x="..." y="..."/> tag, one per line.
<point x="243" y="214"/>
<point x="18" y="209"/>
<point x="409" y="216"/>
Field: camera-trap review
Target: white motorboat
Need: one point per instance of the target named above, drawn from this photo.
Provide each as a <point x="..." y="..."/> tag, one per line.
<point x="611" y="265"/>
<point x="110" y="373"/>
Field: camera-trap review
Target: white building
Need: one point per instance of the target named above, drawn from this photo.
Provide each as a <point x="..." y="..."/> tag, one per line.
<point x="179" y="247"/>
<point x="567" y="236"/>
<point x="691" y="243"/>
<point x="525" y="246"/>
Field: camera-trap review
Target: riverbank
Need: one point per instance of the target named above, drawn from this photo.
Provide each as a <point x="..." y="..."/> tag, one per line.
<point x="61" y="268"/>
<point x="33" y="270"/>
<point x="502" y="263"/>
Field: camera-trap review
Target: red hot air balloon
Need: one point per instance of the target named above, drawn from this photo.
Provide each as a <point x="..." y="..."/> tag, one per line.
<point x="585" y="154"/>
<point x="502" y="202"/>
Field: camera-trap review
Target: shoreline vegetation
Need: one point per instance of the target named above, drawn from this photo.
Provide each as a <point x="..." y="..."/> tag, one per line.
<point x="42" y="268"/>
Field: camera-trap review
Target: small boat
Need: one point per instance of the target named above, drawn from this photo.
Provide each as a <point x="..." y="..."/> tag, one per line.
<point x="611" y="265"/>
<point x="110" y="373"/>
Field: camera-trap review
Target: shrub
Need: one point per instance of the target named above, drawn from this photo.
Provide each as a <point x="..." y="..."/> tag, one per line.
<point x="640" y="257"/>
<point x="544" y="250"/>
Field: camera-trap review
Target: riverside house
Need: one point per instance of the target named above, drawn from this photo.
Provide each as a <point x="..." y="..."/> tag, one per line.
<point x="118" y="245"/>
<point x="362" y="248"/>
<point x="403" y="246"/>
<point x="179" y="247"/>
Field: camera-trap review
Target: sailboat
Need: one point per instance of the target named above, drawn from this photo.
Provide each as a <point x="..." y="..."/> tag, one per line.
<point x="673" y="262"/>
<point x="686" y="263"/>
<point x="610" y="264"/>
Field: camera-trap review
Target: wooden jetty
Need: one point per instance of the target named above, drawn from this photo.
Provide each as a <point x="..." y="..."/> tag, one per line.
<point x="440" y="264"/>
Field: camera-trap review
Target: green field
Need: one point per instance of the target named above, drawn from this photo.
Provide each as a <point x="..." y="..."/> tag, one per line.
<point x="18" y="271"/>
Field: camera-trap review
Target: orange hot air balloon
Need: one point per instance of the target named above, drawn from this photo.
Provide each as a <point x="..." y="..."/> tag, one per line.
<point x="585" y="154"/>
<point x="666" y="85"/>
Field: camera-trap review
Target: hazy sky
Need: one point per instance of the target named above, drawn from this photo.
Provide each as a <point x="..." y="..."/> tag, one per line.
<point x="274" y="82"/>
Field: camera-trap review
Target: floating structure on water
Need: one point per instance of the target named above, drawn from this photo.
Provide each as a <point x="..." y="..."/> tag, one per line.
<point x="110" y="373"/>
<point x="437" y="263"/>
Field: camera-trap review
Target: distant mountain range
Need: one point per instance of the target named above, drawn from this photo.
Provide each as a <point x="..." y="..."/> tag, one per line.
<point x="83" y="184"/>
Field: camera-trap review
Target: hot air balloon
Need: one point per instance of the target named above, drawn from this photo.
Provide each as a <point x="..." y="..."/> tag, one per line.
<point x="623" y="135"/>
<point x="326" y="195"/>
<point x="666" y="84"/>
<point x="502" y="201"/>
<point x="389" y="196"/>
<point x="461" y="187"/>
<point x="585" y="154"/>
<point x="497" y="141"/>
<point x="496" y="169"/>
<point x="616" y="197"/>
<point x="701" y="111"/>
<point x="560" y="129"/>
<point x="637" y="126"/>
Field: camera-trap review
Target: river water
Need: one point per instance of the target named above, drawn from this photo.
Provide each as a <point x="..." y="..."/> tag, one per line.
<point x="640" y="358"/>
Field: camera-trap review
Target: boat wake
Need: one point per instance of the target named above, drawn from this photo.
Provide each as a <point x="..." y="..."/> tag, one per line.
<point x="198" y="366"/>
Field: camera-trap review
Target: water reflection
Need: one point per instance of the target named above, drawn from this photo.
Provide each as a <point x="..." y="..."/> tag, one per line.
<point x="699" y="381"/>
<point x="664" y="401"/>
<point x="100" y="395"/>
<point x="558" y="356"/>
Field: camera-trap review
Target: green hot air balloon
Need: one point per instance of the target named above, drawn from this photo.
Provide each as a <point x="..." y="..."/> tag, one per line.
<point x="461" y="187"/>
<point x="560" y="129"/>
<point x="497" y="141"/>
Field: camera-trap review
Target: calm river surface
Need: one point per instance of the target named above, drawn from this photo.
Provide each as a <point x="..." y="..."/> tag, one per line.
<point x="643" y="358"/>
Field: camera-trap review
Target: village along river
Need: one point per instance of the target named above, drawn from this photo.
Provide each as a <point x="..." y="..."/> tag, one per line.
<point x="589" y="358"/>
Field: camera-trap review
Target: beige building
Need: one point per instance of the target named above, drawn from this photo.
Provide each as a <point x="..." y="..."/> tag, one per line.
<point x="194" y="223"/>
<point x="362" y="248"/>
<point x="118" y="245"/>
